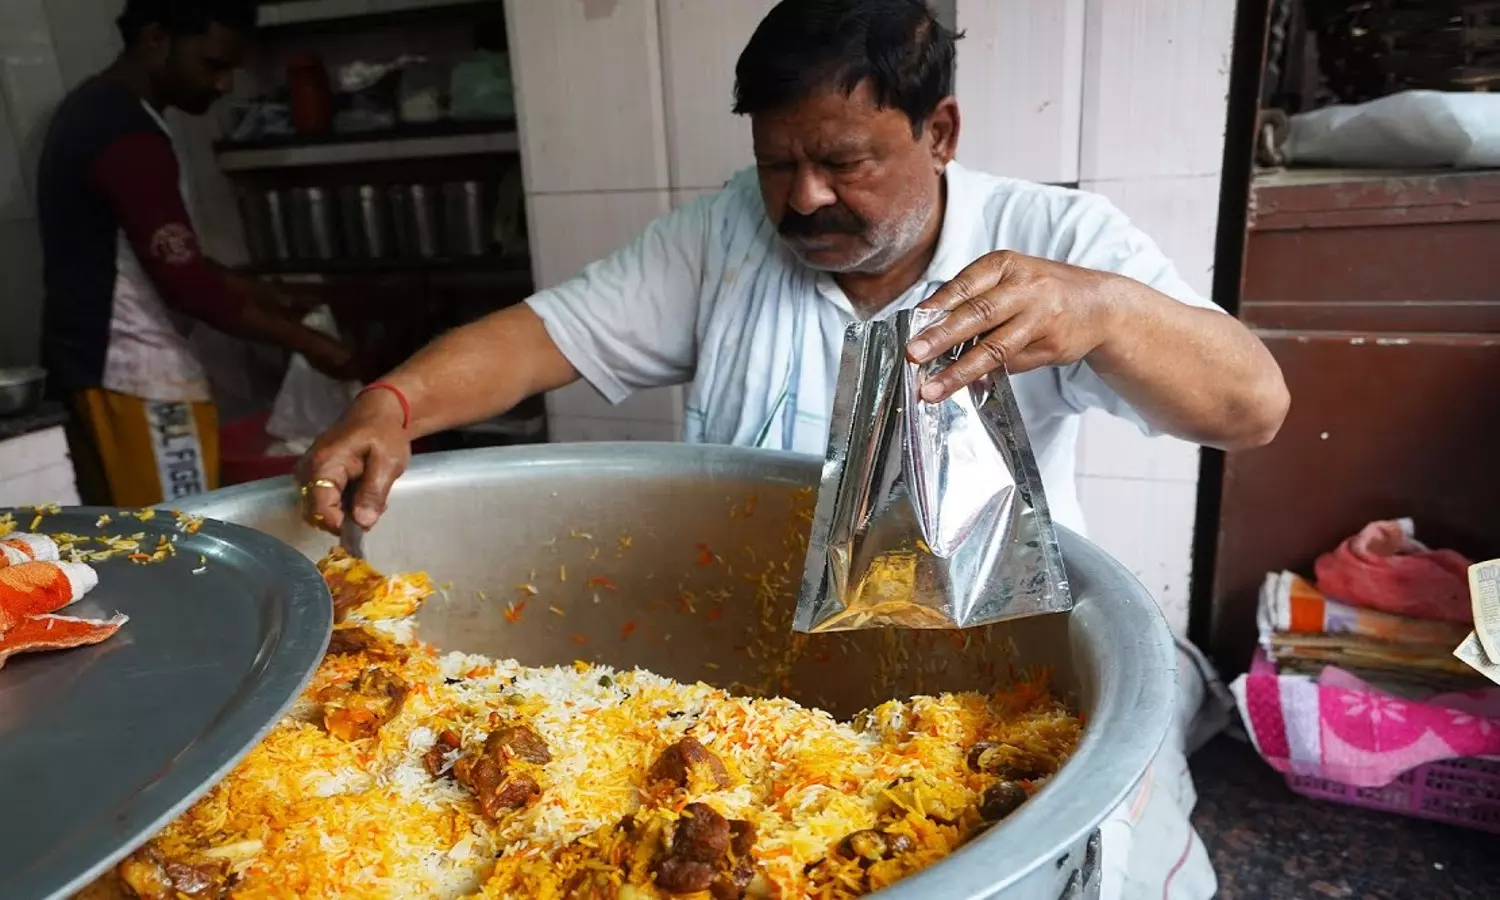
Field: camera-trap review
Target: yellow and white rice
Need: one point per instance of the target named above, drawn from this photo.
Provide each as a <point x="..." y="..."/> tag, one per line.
<point x="309" y="815"/>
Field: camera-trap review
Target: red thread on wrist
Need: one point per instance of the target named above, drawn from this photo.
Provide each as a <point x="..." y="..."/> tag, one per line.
<point x="400" y="398"/>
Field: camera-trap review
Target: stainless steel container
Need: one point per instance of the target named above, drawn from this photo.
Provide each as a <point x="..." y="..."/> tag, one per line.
<point x="365" y="220"/>
<point x="312" y="224"/>
<point x="488" y="520"/>
<point x="414" y="209"/>
<point x="21" y="389"/>
<point x="257" y="225"/>
<point x="323" y="220"/>
<point x="468" y="214"/>
<point x="265" y="218"/>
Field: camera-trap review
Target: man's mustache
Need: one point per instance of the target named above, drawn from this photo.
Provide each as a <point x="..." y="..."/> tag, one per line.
<point x="827" y="220"/>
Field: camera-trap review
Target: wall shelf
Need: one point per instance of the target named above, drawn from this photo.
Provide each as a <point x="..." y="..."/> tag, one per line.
<point x="325" y="15"/>
<point x="419" y="142"/>
<point x="516" y="267"/>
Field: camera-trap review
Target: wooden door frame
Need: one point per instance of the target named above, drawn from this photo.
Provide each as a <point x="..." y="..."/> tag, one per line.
<point x="1247" y="70"/>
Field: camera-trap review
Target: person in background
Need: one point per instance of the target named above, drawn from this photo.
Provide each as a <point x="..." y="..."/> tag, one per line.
<point x="125" y="277"/>
<point x="855" y="209"/>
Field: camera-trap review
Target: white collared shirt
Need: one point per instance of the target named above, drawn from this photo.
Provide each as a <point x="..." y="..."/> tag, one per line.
<point x="708" y="296"/>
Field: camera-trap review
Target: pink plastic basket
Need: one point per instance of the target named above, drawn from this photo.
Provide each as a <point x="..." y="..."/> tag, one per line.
<point x="1463" y="792"/>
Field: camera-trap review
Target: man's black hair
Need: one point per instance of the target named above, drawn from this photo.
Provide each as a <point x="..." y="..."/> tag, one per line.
<point x="804" y="45"/>
<point x="184" y="16"/>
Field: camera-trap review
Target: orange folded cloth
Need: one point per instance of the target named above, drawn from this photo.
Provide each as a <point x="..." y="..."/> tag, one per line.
<point x="1290" y="605"/>
<point x="21" y="548"/>
<point x="49" y="632"/>
<point x="34" y="588"/>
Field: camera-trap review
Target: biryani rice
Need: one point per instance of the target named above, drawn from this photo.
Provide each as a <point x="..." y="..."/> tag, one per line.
<point x="306" y="814"/>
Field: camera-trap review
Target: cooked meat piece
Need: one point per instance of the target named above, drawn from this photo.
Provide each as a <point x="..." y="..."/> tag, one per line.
<point x="511" y="741"/>
<point x="349" y="640"/>
<point x="479" y="774"/>
<point x="708" y="853"/>
<point x="900" y="844"/>
<point x="513" y="794"/>
<point x="443" y="752"/>
<point x="1010" y="762"/>
<point x="702" y="834"/>
<point x="358" y="710"/>
<point x="689" y="765"/>
<point x="741" y="838"/>
<point x="497" y="790"/>
<point x="1001" y="800"/>
<point x="868" y="844"/>
<point x="684" y="876"/>
<point x="731" y="884"/>
<point x="152" y="877"/>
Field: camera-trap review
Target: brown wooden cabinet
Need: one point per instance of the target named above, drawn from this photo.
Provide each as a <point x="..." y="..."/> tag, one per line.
<point x="1379" y="294"/>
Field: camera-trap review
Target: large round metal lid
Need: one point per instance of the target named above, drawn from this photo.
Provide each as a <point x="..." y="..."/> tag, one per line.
<point x="101" y="746"/>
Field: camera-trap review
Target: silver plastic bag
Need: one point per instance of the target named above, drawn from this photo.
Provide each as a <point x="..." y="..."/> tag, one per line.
<point x="929" y="515"/>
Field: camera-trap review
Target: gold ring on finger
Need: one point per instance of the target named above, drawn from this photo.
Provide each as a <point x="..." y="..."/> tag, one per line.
<point x="318" y="483"/>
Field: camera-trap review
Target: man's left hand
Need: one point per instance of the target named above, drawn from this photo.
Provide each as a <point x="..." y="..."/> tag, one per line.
<point x="1026" y="313"/>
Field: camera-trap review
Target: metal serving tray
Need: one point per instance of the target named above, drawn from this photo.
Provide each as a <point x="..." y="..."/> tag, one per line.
<point x="102" y="746"/>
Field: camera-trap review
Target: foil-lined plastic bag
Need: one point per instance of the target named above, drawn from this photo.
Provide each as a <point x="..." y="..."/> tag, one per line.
<point x="930" y="515"/>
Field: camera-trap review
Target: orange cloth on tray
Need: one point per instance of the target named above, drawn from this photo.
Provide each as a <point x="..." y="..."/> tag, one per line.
<point x="19" y="548"/>
<point x="35" y="588"/>
<point x="49" y="632"/>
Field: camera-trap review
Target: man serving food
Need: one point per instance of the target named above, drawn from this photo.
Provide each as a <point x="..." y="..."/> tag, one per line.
<point x="856" y="209"/>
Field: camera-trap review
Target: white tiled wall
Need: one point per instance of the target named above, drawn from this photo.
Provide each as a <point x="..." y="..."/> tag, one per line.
<point x="589" y="94"/>
<point x="568" y="231"/>
<point x="1155" y="79"/>
<point x="1020" y="84"/>
<point x="610" y="142"/>
<point x="701" y="40"/>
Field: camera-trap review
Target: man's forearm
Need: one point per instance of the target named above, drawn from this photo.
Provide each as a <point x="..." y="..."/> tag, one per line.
<point x="1194" y="373"/>
<point x="262" y="325"/>
<point x="481" y="370"/>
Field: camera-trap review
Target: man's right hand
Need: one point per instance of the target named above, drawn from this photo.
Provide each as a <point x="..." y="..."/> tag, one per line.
<point x="368" y="447"/>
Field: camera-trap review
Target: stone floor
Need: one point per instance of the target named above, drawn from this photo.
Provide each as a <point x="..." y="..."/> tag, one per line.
<point x="1268" y="843"/>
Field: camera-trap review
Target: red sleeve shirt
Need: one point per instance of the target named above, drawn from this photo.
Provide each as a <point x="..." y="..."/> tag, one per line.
<point x="138" y="175"/>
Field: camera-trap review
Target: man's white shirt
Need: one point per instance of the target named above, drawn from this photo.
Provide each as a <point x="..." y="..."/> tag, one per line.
<point x="708" y="296"/>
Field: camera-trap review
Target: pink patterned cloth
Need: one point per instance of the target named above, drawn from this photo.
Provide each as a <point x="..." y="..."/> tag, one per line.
<point x="1341" y="728"/>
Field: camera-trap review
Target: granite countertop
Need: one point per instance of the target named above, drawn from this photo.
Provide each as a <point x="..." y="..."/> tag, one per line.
<point x="1268" y="843"/>
<point x="49" y="414"/>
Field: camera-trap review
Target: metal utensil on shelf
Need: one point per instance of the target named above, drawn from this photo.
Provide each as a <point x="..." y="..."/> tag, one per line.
<point x="425" y="220"/>
<point x="468" y="215"/>
<point x="300" y="225"/>
<point x="312" y="224"/>
<point x="21" y="389"/>
<point x="325" y="243"/>
<point x="366" y="222"/>
<point x="257" y="225"/>
<point x="265" y="217"/>
<point x="414" y="212"/>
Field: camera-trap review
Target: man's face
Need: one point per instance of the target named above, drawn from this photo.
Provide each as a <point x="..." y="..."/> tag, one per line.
<point x="847" y="184"/>
<point x="194" y="70"/>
